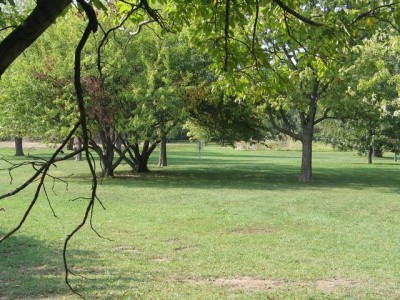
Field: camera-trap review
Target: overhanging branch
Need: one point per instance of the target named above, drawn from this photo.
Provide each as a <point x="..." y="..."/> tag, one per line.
<point x="296" y="14"/>
<point x="41" y="17"/>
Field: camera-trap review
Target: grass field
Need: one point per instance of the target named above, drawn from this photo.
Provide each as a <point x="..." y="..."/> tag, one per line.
<point x="227" y="225"/>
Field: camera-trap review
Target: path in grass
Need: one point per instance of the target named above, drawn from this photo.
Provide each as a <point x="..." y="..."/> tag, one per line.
<point x="233" y="224"/>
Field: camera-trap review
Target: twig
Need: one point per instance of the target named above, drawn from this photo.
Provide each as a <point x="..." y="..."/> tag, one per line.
<point x="43" y="166"/>
<point x="42" y="171"/>
<point x="48" y="201"/>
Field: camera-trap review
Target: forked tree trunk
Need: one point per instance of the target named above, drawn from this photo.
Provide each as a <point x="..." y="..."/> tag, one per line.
<point x="141" y="164"/>
<point x="142" y="158"/>
<point x="19" y="151"/>
<point x="162" y="161"/>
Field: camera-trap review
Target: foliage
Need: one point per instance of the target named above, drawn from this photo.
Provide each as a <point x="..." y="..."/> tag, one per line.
<point x="37" y="93"/>
<point x="373" y="86"/>
<point x="214" y="117"/>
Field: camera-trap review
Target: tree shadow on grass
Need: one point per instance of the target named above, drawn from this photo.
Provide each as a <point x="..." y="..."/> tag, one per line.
<point x="264" y="177"/>
<point x="30" y="269"/>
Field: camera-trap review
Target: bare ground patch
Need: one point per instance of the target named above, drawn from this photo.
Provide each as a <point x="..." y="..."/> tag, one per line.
<point x="262" y="285"/>
<point x="329" y="285"/>
<point x="160" y="259"/>
<point x="127" y="249"/>
<point x="28" y="145"/>
<point x="247" y="283"/>
<point x="253" y="230"/>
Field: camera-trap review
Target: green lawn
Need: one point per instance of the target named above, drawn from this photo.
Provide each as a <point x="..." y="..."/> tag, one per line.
<point x="229" y="225"/>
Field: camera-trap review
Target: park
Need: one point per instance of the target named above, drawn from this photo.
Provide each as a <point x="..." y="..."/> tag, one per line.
<point x="229" y="224"/>
<point x="221" y="149"/>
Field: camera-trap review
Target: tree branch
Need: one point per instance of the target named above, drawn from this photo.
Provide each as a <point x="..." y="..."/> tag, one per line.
<point x="324" y="117"/>
<point x="41" y="17"/>
<point x="281" y="129"/>
<point x="371" y="12"/>
<point x="42" y="171"/>
<point x="226" y="33"/>
<point x="91" y="27"/>
<point x="296" y="14"/>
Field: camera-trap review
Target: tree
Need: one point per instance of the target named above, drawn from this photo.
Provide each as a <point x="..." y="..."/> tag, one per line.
<point x="168" y="66"/>
<point x="266" y="59"/>
<point x="372" y="82"/>
<point x="17" y="42"/>
<point x="37" y="93"/>
<point x="214" y="116"/>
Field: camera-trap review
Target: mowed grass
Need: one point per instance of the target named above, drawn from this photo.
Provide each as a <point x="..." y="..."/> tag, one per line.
<point x="224" y="225"/>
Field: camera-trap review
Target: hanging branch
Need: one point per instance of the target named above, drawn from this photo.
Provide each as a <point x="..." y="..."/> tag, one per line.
<point x="91" y="27"/>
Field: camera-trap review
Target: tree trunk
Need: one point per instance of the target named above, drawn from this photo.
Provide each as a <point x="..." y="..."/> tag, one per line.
<point x="107" y="167"/>
<point x="377" y="152"/>
<point x="162" y="161"/>
<point x="370" y="154"/>
<point x="118" y="143"/>
<point x="306" y="157"/>
<point x="19" y="151"/>
<point x="141" y="166"/>
<point x="106" y="155"/>
<point x="78" y="157"/>
<point x="142" y="158"/>
<point x="107" y="160"/>
<point x="70" y="145"/>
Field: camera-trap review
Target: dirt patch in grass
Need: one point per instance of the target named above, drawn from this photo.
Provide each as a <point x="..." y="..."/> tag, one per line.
<point x="127" y="249"/>
<point x="160" y="259"/>
<point x="330" y="285"/>
<point x="248" y="283"/>
<point x="244" y="283"/>
<point x="262" y="285"/>
<point x="253" y="230"/>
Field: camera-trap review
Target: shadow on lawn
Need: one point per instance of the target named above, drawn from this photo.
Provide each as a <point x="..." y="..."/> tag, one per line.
<point x="263" y="177"/>
<point x="30" y="269"/>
